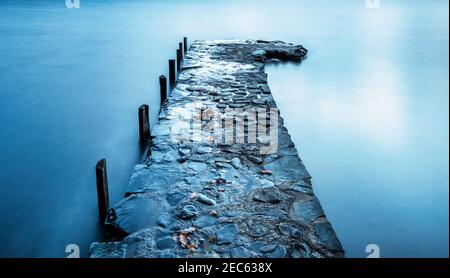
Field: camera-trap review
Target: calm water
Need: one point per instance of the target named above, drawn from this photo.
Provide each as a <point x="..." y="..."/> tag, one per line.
<point x="368" y="110"/>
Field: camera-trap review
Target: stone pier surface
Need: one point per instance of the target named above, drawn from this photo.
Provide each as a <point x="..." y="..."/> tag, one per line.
<point x="203" y="197"/>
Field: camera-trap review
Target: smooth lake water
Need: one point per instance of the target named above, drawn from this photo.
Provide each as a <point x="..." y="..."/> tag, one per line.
<point x="368" y="110"/>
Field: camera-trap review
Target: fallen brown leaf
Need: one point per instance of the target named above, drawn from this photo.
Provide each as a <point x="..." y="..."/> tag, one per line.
<point x="183" y="240"/>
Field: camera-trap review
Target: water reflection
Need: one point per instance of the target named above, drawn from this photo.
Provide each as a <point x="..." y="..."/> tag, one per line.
<point x="369" y="115"/>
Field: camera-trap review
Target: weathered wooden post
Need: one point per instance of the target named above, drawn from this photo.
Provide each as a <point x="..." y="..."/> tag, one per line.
<point x="102" y="189"/>
<point x="172" y="71"/>
<point x="163" y="88"/>
<point x="144" y="124"/>
<point x="185" y="45"/>
<point x="180" y="47"/>
<point x="179" y="60"/>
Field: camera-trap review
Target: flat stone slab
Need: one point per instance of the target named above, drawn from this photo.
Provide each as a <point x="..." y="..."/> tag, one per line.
<point x="198" y="195"/>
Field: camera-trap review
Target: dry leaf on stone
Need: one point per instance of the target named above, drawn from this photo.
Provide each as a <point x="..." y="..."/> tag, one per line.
<point x="191" y="246"/>
<point x="183" y="240"/>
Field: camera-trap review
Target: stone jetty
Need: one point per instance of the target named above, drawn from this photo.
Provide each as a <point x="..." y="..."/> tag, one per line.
<point x="222" y="177"/>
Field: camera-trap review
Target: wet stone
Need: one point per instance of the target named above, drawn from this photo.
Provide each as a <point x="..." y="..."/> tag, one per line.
<point x="259" y="53"/>
<point x="298" y="186"/>
<point x="267" y="184"/>
<point x="307" y="211"/>
<point x="165" y="243"/>
<point x="161" y="232"/>
<point x="268" y="195"/>
<point x="265" y="88"/>
<point x="257" y="229"/>
<point x="136" y="212"/>
<point x="175" y="197"/>
<point x="237" y="105"/>
<point x="275" y="213"/>
<point x="188" y="211"/>
<point x="236" y="163"/>
<point x="255" y="159"/>
<point x="205" y="221"/>
<point x="288" y="166"/>
<point x="204" y="150"/>
<point x="208" y="232"/>
<point x="327" y="238"/>
<point x="268" y="248"/>
<point x="196" y="166"/>
<point x="184" y="152"/>
<point x="286" y="229"/>
<point x="233" y="213"/>
<point x="278" y="252"/>
<point x="290" y="231"/>
<point x="227" y="234"/>
<point x="205" y="199"/>
<point x="300" y="251"/>
<point x="165" y="220"/>
<point x="154" y="178"/>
